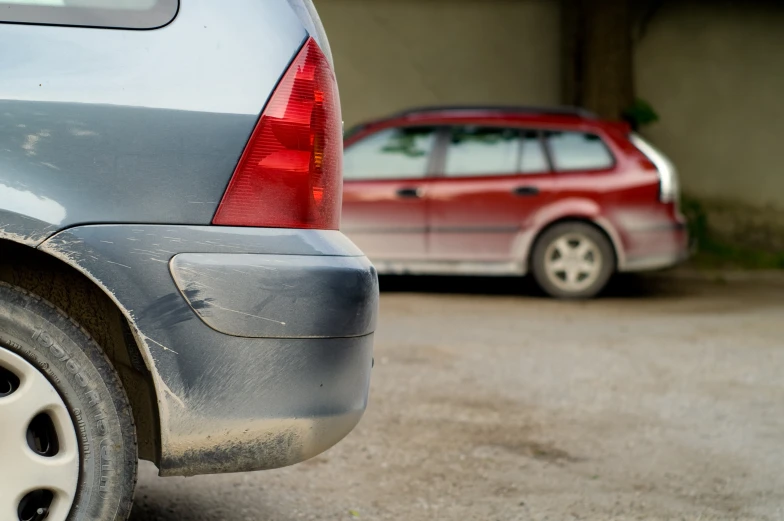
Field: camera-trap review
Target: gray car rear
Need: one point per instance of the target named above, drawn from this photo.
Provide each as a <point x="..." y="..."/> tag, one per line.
<point x="120" y="131"/>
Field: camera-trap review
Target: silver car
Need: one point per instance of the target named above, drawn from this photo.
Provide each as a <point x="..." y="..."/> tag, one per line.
<point x="173" y="284"/>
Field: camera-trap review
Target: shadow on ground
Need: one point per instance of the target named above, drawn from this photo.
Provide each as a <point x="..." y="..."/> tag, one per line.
<point x="623" y="286"/>
<point x="204" y="498"/>
<point x="192" y="505"/>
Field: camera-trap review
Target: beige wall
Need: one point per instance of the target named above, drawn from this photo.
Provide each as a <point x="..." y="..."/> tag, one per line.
<point x="715" y="74"/>
<point x="395" y="54"/>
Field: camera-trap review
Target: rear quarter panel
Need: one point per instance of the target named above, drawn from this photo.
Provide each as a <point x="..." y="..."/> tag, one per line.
<point x="113" y="126"/>
<point x="620" y="200"/>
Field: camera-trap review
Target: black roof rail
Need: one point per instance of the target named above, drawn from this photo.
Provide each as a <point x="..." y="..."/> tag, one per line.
<point x="517" y="109"/>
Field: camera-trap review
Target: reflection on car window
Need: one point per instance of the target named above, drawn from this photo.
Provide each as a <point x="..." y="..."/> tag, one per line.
<point x="482" y="151"/>
<point x="397" y="153"/>
<point x="103" y="4"/>
<point x="123" y="14"/>
<point x="534" y="158"/>
<point x="578" y="151"/>
<point x="486" y="151"/>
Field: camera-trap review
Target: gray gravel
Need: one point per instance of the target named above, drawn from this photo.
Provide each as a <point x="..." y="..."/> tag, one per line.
<point x="663" y="401"/>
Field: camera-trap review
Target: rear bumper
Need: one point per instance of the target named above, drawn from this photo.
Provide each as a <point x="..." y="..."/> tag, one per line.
<point x="260" y="357"/>
<point x="267" y="404"/>
<point x="657" y="247"/>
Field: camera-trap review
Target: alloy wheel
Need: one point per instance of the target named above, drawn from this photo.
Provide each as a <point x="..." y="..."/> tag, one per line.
<point x="573" y="262"/>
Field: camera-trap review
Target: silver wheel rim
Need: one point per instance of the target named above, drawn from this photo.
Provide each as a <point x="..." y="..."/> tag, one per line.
<point x="40" y="457"/>
<point x="573" y="262"/>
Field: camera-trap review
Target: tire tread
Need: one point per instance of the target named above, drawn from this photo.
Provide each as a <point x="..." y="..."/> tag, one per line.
<point x="101" y="361"/>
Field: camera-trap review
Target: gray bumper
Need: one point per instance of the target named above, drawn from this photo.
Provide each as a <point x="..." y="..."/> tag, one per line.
<point x="267" y="404"/>
<point x="258" y="363"/>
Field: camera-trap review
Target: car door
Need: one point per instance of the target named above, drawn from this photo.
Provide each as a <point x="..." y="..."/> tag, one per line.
<point x="384" y="205"/>
<point x="492" y="181"/>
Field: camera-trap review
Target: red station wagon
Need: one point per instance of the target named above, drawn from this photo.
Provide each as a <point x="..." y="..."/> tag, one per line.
<point x="557" y="193"/>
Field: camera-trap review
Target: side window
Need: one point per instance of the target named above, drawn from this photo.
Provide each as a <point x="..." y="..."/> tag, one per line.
<point x="476" y="151"/>
<point x="395" y="153"/>
<point x="121" y="14"/>
<point x="578" y="151"/>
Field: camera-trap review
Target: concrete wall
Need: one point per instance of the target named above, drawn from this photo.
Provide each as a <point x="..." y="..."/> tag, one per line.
<point x="714" y="70"/>
<point x="395" y="54"/>
<point x="715" y="74"/>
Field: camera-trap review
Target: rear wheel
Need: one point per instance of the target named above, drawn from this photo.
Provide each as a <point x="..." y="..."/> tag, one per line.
<point x="573" y="260"/>
<point x="67" y="440"/>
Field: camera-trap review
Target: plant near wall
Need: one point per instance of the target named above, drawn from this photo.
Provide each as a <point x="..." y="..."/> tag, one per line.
<point x="640" y="114"/>
<point x="717" y="253"/>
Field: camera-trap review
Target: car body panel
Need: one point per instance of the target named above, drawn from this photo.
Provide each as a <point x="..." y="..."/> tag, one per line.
<point x="381" y="221"/>
<point x="229" y="403"/>
<point x="470" y="223"/>
<point x="108" y="125"/>
<point x="480" y="219"/>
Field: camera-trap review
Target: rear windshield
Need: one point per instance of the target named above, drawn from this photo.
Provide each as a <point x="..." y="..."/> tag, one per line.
<point x="121" y="14"/>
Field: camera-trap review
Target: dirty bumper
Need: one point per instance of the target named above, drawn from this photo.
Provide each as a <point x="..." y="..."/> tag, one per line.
<point x="259" y="340"/>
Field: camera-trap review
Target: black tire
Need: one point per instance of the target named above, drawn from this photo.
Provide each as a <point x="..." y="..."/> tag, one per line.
<point x="571" y="228"/>
<point x="79" y="370"/>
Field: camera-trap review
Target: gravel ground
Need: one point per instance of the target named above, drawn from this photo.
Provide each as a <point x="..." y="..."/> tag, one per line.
<point x="664" y="400"/>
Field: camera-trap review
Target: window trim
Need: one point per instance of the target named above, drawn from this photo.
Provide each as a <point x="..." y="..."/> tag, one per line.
<point x="160" y="15"/>
<point x="543" y="145"/>
<point x="547" y="153"/>
<point x="431" y="160"/>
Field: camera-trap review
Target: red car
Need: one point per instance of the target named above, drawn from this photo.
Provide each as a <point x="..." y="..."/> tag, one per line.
<point x="557" y="193"/>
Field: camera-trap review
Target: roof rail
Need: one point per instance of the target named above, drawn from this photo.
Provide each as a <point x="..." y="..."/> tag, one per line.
<point x="517" y="109"/>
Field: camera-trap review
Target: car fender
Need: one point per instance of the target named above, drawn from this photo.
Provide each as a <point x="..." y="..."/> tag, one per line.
<point x="573" y="208"/>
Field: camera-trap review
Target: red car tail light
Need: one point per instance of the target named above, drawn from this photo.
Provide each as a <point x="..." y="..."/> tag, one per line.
<point x="290" y="175"/>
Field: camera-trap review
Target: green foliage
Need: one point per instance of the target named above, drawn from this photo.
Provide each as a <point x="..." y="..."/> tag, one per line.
<point x="640" y="114"/>
<point x="406" y="142"/>
<point x="715" y="253"/>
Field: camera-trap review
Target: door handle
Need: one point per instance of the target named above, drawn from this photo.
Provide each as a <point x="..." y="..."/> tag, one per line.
<point x="409" y="193"/>
<point x="526" y="191"/>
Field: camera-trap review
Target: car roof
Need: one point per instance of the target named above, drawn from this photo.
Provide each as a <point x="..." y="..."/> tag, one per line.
<point x="458" y="111"/>
<point x="568" y="116"/>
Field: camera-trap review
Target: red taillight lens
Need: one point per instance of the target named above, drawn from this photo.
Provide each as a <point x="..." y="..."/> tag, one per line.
<point x="290" y="175"/>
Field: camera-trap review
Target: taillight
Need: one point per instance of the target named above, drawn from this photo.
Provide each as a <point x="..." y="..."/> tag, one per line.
<point x="290" y="173"/>
<point x="668" y="176"/>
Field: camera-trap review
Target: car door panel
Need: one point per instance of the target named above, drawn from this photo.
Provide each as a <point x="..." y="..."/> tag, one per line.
<point x="480" y="219"/>
<point x="482" y="202"/>
<point x="384" y="195"/>
<point x="384" y="223"/>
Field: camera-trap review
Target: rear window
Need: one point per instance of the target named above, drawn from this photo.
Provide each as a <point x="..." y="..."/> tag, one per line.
<point x="121" y="14"/>
<point x="396" y="153"/>
<point x="578" y="151"/>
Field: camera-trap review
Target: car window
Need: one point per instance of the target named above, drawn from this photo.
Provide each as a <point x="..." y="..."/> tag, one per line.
<point x="125" y="14"/>
<point x="395" y="153"/>
<point x="578" y="151"/>
<point x="478" y="150"/>
<point x="533" y="157"/>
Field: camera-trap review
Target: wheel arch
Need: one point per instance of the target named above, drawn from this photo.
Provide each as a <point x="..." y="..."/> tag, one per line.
<point x="598" y="223"/>
<point x="90" y="306"/>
